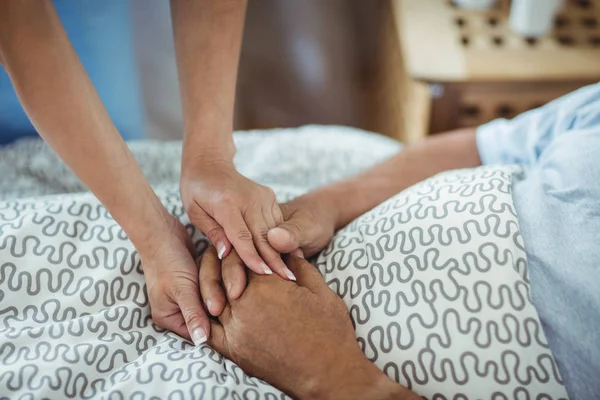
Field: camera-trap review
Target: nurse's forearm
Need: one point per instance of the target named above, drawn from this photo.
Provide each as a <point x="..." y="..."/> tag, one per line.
<point x="65" y="109"/>
<point x="208" y="35"/>
<point x="355" y="196"/>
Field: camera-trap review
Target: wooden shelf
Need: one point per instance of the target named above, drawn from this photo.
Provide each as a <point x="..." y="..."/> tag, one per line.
<point x="459" y="68"/>
<point x="442" y="43"/>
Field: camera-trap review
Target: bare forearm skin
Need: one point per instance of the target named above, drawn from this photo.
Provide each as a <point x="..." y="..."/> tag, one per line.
<point x="361" y="381"/>
<point x="65" y="109"/>
<point x="208" y="36"/>
<point x="353" y="197"/>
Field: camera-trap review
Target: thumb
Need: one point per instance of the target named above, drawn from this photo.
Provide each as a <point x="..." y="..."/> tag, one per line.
<point x="198" y="325"/>
<point x="307" y="275"/>
<point x="286" y="237"/>
<point x="213" y="231"/>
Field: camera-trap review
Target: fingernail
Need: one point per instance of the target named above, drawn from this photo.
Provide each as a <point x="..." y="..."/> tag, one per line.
<point x="289" y="274"/>
<point x="298" y="253"/>
<point x="221" y="250"/>
<point x="228" y="287"/>
<point x="208" y="303"/>
<point x="266" y="269"/>
<point x="199" y="336"/>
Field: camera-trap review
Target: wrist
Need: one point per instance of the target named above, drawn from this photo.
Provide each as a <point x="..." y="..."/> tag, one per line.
<point x="148" y="226"/>
<point x="323" y="204"/>
<point x="208" y="143"/>
<point x="198" y="167"/>
<point x="355" y="196"/>
<point x="337" y="200"/>
<point x="362" y="381"/>
<point x="196" y="158"/>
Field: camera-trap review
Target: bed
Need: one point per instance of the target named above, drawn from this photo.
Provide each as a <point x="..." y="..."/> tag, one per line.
<point x="435" y="279"/>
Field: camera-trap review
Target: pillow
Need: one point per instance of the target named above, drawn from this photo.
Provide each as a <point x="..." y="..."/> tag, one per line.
<point x="436" y="283"/>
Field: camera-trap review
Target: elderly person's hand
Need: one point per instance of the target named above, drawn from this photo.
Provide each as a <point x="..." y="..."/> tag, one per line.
<point x="309" y="224"/>
<point x="296" y="336"/>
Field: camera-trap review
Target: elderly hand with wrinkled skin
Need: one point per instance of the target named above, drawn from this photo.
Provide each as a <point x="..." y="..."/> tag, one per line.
<point x="297" y="336"/>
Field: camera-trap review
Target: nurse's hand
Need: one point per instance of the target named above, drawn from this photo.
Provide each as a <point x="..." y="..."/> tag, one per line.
<point x="171" y="276"/>
<point x="233" y="211"/>
<point x="310" y="223"/>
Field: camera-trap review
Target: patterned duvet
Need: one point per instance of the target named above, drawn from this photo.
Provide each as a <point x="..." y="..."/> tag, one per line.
<point x="435" y="279"/>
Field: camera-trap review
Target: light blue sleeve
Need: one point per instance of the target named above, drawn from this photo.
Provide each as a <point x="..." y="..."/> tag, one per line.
<point x="100" y="32"/>
<point x="523" y="139"/>
<point x="556" y="201"/>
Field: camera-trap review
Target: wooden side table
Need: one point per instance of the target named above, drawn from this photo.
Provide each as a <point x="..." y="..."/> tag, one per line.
<point x="462" y="68"/>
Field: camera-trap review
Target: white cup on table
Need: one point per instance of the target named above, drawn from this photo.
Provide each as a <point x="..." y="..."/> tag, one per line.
<point x="533" y="18"/>
<point x="474" y="4"/>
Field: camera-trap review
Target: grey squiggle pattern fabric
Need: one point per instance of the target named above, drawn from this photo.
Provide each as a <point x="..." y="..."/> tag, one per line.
<point x="435" y="280"/>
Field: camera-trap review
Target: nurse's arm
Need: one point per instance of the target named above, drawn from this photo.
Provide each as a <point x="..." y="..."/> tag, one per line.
<point x="229" y="208"/>
<point x="208" y="36"/>
<point x="65" y="109"/>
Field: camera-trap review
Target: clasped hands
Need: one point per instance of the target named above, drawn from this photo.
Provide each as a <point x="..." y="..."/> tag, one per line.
<point x="293" y="333"/>
<point x="297" y="336"/>
<point x="233" y="212"/>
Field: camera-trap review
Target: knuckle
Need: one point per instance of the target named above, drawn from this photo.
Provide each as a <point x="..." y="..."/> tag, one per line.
<point x="213" y="233"/>
<point x="269" y="193"/>
<point x="188" y="207"/>
<point x="188" y="201"/>
<point x="243" y="235"/>
<point x="191" y="316"/>
<point x="261" y="235"/>
<point x="157" y="319"/>
<point x="178" y="292"/>
<point x="195" y="212"/>
<point x="191" y="208"/>
<point x="226" y="197"/>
